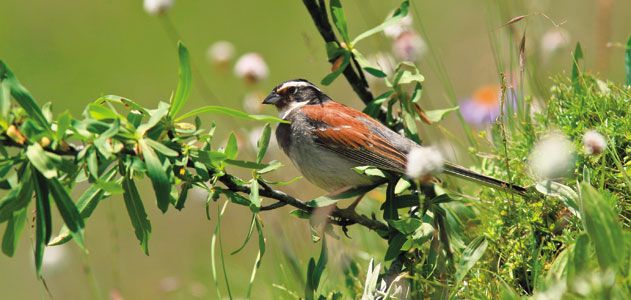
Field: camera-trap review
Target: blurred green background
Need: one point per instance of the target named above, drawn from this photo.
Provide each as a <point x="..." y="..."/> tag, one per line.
<point x="71" y="52"/>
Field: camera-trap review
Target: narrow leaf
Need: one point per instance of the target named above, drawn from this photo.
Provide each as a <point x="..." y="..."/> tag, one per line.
<point x="42" y="160"/>
<point x="22" y="96"/>
<point x="328" y="79"/>
<point x="263" y="143"/>
<point x="578" y="55"/>
<point x="229" y="112"/>
<point x="13" y="231"/>
<point x="155" y="116"/>
<point x="439" y="114"/>
<point x="232" y="147"/>
<point x="157" y="174"/>
<point x="183" y="89"/>
<point x="137" y="214"/>
<point x="600" y="222"/>
<point x="398" y="14"/>
<point x="339" y="19"/>
<point x="470" y="256"/>
<point x="68" y="211"/>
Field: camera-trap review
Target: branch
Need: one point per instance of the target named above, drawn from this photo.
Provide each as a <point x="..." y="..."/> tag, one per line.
<point x="341" y="217"/>
<point x="355" y="78"/>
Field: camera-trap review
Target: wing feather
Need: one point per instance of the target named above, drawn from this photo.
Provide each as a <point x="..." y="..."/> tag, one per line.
<point x="356" y="136"/>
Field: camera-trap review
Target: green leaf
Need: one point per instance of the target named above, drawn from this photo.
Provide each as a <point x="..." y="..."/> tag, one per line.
<point x="627" y="60"/>
<point x="229" y="112"/>
<point x="366" y="66"/>
<point x="157" y="174"/>
<point x="309" y="289"/>
<point x="470" y="256"/>
<point x="68" y="211"/>
<point x="319" y="267"/>
<point x="63" y="123"/>
<point x="438" y="115"/>
<point x="259" y="257"/>
<point x="43" y="202"/>
<point x="232" y="147"/>
<point x="87" y="202"/>
<point x="394" y="246"/>
<point x="263" y="143"/>
<point x="247" y="237"/>
<point x="13" y="231"/>
<point x="41" y="231"/>
<point x="137" y="214"/>
<point x="155" y="116"/>
<point x="398" y="14"/>
<point x="273" y="165"/>
<point x="339" y="19"/>
<point x="45" y="162"/>
<point x="370" y="171"/>
<point x="406" y="226"/>
<point x="22" y="96"/>
<point x="5" y="101"/>
<point x="101" y="112"/>
<point x="600" y="222"/>
<point x="161" y="148"/>
<point x="578" y="55"/>
<point x="17" y="198"/>
<point x="183" y="90"/>
<point x="254" y="193"/>
<point x="328" y="79"/>
<point x="560" y="191"/>
<point x="246" y="164"/>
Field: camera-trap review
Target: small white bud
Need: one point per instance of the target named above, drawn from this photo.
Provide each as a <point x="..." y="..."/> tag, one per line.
<point x="594" y="142"/>
<point x="552" y="157"/>
<point x="157" y="7"/>
<point x="220" y="53"/>
<point x="423" y="161"/>
<point x="251" y="67"/>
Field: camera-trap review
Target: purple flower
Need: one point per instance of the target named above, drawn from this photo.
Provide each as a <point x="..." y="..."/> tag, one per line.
<point x="483" y="107"/>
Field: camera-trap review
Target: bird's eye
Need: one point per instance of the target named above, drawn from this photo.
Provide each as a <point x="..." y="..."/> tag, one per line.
<point x="292" y="90"/>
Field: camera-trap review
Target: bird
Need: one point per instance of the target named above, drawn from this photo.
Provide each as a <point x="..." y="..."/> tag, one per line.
<point x="326" y="140"/>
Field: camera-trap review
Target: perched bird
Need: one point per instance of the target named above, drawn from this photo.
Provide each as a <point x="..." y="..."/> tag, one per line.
<point x="325" y="140"/>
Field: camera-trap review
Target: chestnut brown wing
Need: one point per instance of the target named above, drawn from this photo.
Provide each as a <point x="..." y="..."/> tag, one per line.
<point x="355" y="136"/>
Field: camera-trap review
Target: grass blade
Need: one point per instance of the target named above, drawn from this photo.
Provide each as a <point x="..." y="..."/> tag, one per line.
<point x="470" y="256"/>
<point x="627" y="60"/>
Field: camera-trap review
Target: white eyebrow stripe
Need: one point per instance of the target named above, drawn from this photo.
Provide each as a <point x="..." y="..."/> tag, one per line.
<point x="295" y="84"/>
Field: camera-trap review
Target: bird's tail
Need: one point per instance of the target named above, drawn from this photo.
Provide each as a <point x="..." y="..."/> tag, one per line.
<point x="467" y="174"/>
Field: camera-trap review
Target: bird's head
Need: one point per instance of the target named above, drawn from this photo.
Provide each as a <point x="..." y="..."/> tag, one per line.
<point x="293" y="94"/>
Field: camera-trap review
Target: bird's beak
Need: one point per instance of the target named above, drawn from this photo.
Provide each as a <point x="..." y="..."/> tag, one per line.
<point x="272" y="98"/>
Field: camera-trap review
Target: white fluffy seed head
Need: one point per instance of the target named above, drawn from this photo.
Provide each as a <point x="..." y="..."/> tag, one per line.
<point x="409" y="46"/>
<point x="220" y="52"/>
<point x="423" y="161"/>
<point x="594" y="142"/>
<point x="157" y="7"/>
<point x="394" y="30"/>
<point x="251" y="67"/>
<point x="552" y="157"/>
